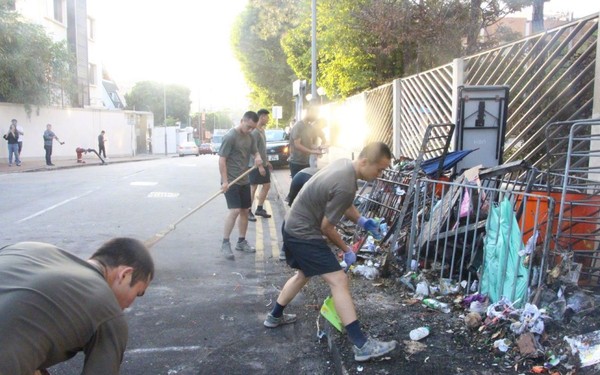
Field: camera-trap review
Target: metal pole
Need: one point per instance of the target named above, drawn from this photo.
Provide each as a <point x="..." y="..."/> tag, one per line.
<point x="165" y="114"/>
<point x="313" y="80"/>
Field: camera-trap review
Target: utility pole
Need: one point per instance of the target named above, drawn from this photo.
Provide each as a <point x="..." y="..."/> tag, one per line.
<point x="313" y="80"/>
<point x="165" y="113"/>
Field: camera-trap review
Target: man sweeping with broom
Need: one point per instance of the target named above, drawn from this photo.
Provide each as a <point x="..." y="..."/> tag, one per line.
<point x="320" y="205"/>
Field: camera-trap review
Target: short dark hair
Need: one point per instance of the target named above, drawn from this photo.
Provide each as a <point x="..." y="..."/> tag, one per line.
<point x="124" y="251"/>
<point x="375" y="151"/>
<point x="13" y="120"/>
<point x="250" y="115"/>
<point x="262" y="111"/>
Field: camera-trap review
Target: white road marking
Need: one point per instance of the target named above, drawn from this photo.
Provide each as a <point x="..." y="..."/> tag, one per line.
<point x="54" y="206"/>
<point x="165" y="349"/>
<point x="143" y="183"/>
<point x="162" y="194"/>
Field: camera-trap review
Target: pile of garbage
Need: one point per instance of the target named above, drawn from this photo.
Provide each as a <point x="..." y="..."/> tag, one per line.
<point x="525" y="335"/>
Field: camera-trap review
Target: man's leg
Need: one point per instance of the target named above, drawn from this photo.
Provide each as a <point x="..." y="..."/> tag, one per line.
<point x="262" y="196"/>
<point x="242" y="243"/>
<point x="364" y="348"/>
<point x="228" y="228"/>
<point x="291" y="288"/>
<point x="20" y="147"/>
<point x="253" y="188"/>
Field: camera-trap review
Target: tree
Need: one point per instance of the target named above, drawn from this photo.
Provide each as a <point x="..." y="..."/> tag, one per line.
<point x="256" y="42"/>
<point x="151" y="96"/>
<point x="34" y="70"/>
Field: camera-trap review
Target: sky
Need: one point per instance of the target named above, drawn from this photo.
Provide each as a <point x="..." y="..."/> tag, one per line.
<point x="188" y="42"/>
<point x="177" y="41"/>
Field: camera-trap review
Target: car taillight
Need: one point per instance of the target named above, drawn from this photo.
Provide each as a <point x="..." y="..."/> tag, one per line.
<point x="285" y="149"/>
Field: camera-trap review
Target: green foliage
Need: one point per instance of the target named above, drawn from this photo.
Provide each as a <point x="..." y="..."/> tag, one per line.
<point x="34" y="70"/>
<point x="256" y="42"/>
<point x="151" y="96"/>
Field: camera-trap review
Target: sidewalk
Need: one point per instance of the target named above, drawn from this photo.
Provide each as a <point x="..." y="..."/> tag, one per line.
<point x="39" y="164"/>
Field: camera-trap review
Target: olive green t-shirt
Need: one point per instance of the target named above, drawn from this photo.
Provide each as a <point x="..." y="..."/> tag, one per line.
<point x="52" y="305"/>
<point x="237" y="148"/>
<point x="329" y="193"/>
<point x="305" y="133"/>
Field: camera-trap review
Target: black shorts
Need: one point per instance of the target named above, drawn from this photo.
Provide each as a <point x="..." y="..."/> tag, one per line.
<point x="312" y="257"/>
<point x="238" y="196"/>
<point x="257" y="179"/>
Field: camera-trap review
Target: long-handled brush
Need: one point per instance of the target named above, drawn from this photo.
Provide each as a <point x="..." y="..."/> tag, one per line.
<point x="160" y="235"/>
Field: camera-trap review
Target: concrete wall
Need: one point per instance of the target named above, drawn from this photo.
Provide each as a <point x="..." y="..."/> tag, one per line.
<point x="77" y="127"/>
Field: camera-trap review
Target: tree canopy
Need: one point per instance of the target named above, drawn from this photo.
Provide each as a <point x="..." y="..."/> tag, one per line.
<point x="34" y="70"/>
<point x="151" y="96"/>
<point x="256" y="41"/>
<point x="361" y="44"/>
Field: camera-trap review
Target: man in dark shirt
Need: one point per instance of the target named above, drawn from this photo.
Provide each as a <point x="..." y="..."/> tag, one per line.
<point x="54" y="304"/>
<point x="101" y="148"/>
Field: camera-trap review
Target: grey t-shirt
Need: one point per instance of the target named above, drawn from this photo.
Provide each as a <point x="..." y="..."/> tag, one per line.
<point x="237" y="148"/>
<point x="48" y="137"/>
<point x="261" y="145"/>
<point x="305" y="133"/>
<point x="329" y="193"/>
<point x="52" y="305"/>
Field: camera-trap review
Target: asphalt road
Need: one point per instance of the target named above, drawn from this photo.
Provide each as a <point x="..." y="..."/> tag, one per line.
<point x="202" y="314"/>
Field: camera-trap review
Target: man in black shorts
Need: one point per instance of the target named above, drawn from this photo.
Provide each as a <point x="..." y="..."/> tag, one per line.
<point x="262" y="175"/>
<point x="54" y="304"/>
<point x="235" y="151"/>
<point x="321" y="203"/>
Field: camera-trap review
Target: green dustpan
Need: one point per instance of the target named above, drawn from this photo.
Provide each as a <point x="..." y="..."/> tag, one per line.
<point x="329" y="313"/>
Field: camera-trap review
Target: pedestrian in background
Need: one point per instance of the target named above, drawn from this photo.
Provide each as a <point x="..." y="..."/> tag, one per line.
<point x="12" y="136"/>
<point x="319" y="142"/>
<point x="301" y="141"/>
<point x="49" y="137"/>
<point x="298" y="182"/>
<point x="262" y="175"/>
<point x="54" y="304"/>
<point x="235" y="151"/>
<point x="320" y="205"/>
<point x="21" y="132"/>
<point x="101" y="141"/>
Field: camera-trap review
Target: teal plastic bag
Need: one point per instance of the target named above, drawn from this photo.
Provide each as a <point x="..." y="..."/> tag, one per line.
<point x="504" y="274"/>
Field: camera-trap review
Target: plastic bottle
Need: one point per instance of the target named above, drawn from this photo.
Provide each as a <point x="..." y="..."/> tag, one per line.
<point x="436" y="305"/>
<point x="419" y="333"/>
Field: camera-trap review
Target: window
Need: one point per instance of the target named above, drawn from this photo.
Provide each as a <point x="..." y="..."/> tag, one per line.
<point x="91" y="28"/>
<point x="58" y="10"/>
<point x="92" y="74"/>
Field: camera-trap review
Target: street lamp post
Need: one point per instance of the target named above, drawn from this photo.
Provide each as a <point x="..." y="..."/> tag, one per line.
<point x="165" y="113"/>
<point x="313" y="81"/>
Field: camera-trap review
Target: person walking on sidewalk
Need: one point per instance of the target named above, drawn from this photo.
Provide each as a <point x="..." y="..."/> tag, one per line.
<point x="322" y="202"/>
<point x="54" y="304"/>
<point x="12" y="136"/>
<point x="101" y="141"/>
<point x="21" y="132"/>
<point x="262" y="175"/>
<point x="234" y="154"/>
<point x="49" y="137"/>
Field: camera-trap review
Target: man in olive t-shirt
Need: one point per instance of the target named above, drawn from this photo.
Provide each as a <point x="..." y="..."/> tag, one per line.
<point x="54" y="304"/>
<point x="320" y="205"/>
<point x="235" y="152"/>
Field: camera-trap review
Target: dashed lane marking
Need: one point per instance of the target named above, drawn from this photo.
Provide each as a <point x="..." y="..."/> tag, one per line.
<point x="162" y="194"/>
<point x="165" y="349"/>
<point x="54" y="206"/>
<point x="143" y="183"/>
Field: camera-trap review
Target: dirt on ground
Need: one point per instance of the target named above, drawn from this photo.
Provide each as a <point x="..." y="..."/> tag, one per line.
<point x="388" y="310"/>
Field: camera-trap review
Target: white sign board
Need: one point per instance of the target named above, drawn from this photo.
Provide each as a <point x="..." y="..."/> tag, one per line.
<point x="277" y="112"/>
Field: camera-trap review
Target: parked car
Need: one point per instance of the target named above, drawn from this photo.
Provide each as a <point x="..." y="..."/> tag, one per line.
<point x="188" y="148"/>
<point x="278" y="148"/>
<point x="205" y="149"/>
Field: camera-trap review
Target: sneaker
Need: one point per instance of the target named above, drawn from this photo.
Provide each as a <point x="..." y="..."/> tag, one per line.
<point x="273" y="322"/>
<point x="282" y="255"/>
<point x="262" y="213"/>
<point x="226" y="250"/>
<point x="372" y="349"/>
<point x="251" y="216"/>
<point x="245" y="247"/>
